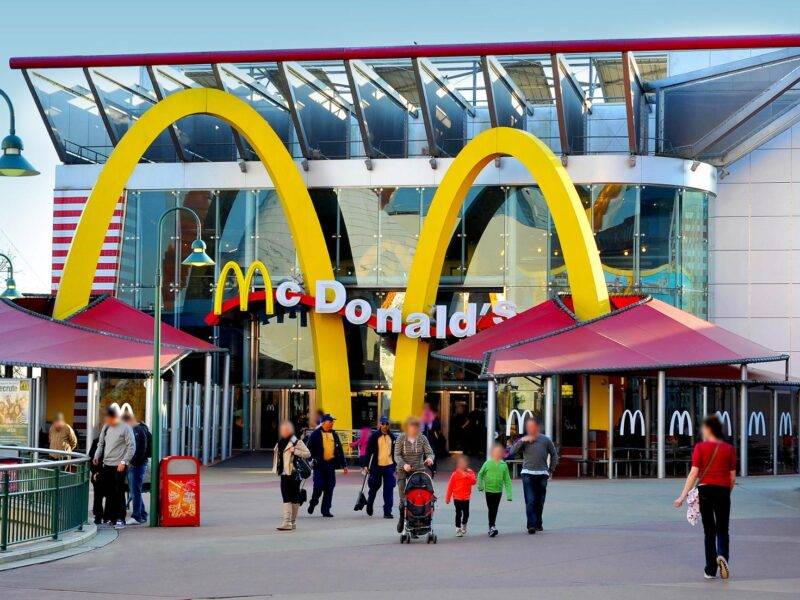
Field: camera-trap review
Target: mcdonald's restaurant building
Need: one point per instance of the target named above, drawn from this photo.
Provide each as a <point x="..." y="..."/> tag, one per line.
<point x="681" y="160"/>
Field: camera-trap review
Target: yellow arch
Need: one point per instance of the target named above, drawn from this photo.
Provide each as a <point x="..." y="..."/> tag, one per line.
<point x="584" y="270"/>
<point x="333" y="381"/>
<point x="243" y="283"/>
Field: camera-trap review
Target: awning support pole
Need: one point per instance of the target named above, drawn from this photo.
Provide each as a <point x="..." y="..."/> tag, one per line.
<point x="774" y="432"/>
<point x="226" y="406"/>
<point x="215" y="422"/>
<point x="743" y="412"/>
<point x="175" y="411"/>
<point x="195" y="420"/>
<point x="661" y="399"/>
<point x="610" y="437"/>
<point x="491" y="415"/>
<point x="705" y="402"/>
<point x="585" y="421"/>
<point x="186" y="417"/>
<point x="91" y="408"/>
<point x="548" y="407"/>
<point x="207" y="410"/>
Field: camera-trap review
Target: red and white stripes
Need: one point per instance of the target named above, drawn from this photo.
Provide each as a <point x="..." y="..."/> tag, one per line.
<point x="67" y="209"/>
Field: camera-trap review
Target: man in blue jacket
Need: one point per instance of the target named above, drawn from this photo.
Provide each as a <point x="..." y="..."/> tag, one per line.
<point x="380" y="462"/>
<point x="328" y="455"/>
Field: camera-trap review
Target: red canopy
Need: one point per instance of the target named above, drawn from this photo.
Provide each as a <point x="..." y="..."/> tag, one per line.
<point x="646" y="335"/>
<point x="31" y="339"/>
<point x="109" y="314"/>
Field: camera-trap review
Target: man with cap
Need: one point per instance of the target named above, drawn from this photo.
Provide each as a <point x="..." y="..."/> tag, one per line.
<point x="328" y="454"/>
<point x="380" y="463"/>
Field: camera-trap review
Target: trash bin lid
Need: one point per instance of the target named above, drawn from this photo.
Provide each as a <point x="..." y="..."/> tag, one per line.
<point x="182" y="465"/>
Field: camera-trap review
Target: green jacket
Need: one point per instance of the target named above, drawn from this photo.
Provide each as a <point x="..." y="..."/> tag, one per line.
<point x="493" y="477"/>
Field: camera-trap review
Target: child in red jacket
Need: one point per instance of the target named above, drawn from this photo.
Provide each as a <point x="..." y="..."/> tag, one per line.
<point x="459" y="488"/>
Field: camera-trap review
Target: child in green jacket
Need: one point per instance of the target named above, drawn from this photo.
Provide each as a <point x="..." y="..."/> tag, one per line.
<point x="492" y="478"/>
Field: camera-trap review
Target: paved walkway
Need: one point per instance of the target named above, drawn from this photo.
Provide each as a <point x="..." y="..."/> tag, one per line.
<point x="603" y="539"/>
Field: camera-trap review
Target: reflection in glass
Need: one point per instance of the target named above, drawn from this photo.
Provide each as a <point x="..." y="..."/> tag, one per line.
<point x="385" y="118"/>
<point x="359" y="210"/>
<point x="399" y="225"/>
<point x="526" y="238"/>
<point x="614" y="216"/>
<point x="446" y="115"/>
<point x="484" y="236"/>
<point x="658" y="240"/>
<point x="274" y="244"/>
<point x="694" y="252"/>
<point x="285" y="353"/>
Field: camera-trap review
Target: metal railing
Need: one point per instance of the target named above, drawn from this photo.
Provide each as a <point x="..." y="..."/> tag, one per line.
<point x="41" y="497"/>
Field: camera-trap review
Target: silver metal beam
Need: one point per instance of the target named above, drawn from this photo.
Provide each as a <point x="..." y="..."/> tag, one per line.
<point x="585" y="419"/>
<point x="226" y="406"/>
<point x="661" y="399"/>
<point x="491" y="416"/>
<point x="206" y="453"/>
<point x="100" y="108"/>
<point x="743" y="414"/>
<point x="91" y="408"/>
<point x="173" y="130"/>
<point x="705" y="402"/>
<point x="369" y="73"/>
<point x="631" y="78"/>
<point x="358" y="107"/>
<point x="548" y="407"/>
<point x="561" y="69"/>
<point x="175" y="411"/>
<point x="610" y="436"/>
<point x="762" y="136"/>
<point x="253" y="84"/>
<point x="491" y="66"/>
<point x="215" y="423"/>
<point x="58" y="145"/>
<point x="774" y="432"/>
<point x="195" y="420"/>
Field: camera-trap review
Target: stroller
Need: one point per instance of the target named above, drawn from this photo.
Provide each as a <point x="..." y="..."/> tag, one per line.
<point x="418" y="508"/>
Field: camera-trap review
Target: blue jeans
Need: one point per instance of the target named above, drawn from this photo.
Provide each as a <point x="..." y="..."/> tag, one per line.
<point x="382" y="476"/>
<point x="534" y="487"/>
<point x="135" y="481"/>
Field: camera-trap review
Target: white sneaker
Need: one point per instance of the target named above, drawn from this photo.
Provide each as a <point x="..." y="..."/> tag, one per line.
<point x="707" y="576"/>
<point x="463" y="530"/>
<point x="119" y="524"/>
<point x="724" y="569"/>
<point x="459" y="532"/>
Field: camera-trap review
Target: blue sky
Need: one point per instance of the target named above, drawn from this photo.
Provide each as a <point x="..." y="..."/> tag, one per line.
<point x="58" y="27"/>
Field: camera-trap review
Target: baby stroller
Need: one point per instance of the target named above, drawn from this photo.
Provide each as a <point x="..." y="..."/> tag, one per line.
<point x="418" y="508"/>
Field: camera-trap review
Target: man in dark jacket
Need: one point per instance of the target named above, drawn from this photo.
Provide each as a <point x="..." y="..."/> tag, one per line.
<point x="138" y="466"/>
<point x="380" y="462"/>
<point x="328" y="454"/>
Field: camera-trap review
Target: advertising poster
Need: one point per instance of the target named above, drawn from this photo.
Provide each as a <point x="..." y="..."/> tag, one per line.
<point x="15" y="406"/>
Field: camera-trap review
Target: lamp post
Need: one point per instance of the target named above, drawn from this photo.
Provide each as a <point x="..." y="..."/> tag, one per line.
<point x="197" y="258"/>
<point x="12" y="163"/>
<point x="11" y="292"/>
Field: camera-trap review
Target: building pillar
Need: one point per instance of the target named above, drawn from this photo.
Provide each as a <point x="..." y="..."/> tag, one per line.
<point x="661" y="399"/>
<point x="195" y="433"/>
<point x="226" y="406"/>
<point x="774" y="432"/>
<point x="491" y="415"/>
<point x="91" y="408"/>
<point x="186" y="419"/>
<point x="743" y="414"/>
<point x="585" y="420"/>
<point x="610" y="436"/>
<point x="215" y="423"/>
<point x="705" y="402"/>
<point x="548" y="407"/>
<point x="207" y="411"/>
<point x="148" y="403"/>
<point x="175" y="411"/>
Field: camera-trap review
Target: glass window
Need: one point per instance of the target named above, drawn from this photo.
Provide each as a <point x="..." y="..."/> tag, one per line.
<point x="385" y="118"/>
<point x="358" y="246"/>
<point x="485" y="236"/>
<point x="658" y="240"/>
<point x="399" y="223"/>
<point x="285" y="353"/>
<point x="151" y="205"/>
<point x="453" y="267"/>
<point x="193" y="292"/>
<point x="327" y="209"/>
<point x="274" y="244"/>
<point x="526" y="246"/>
<point x="694" y="252"/>
<point x="558" y="271"/>
<point x="614" y="215"/>
<point x="445" y="113"/>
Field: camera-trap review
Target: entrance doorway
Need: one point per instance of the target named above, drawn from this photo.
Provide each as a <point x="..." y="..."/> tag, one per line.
<point x="273" y="406"/>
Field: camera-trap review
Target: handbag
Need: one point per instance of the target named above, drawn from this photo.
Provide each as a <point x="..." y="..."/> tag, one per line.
<point x="693" y="497"/>
<point x="302" y="468"/>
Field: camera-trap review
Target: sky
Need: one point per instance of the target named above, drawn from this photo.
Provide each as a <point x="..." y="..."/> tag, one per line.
<point x="59" y="27"/>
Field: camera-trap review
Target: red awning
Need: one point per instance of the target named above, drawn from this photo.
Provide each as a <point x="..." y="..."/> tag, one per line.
<point x="647" y="335"/>
<point x="31" y="339"/>
<point x="112" y="315"/>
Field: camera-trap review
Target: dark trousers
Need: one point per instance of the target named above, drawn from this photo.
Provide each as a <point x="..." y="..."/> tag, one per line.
<point x="534" y="488"/>
<point x="97" y="498"/>
<point x="493" y="503"/>
<point x="381" y="476"/>
<point x="290" y="489"/>
<point x="715" y="510"/>
<point x="462" y="512"/>
<point x="113" y="484"/>
<point x="324" y="482"/>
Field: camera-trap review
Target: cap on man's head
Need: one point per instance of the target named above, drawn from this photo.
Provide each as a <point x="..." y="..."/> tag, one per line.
<point x="328" y="417"/>
<point x="384" y="421"/>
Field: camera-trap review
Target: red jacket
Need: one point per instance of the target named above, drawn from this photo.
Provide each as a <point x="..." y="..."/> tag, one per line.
<point x="460" y="485"/>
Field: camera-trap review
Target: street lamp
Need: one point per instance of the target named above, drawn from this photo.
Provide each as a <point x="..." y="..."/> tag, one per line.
<point x="197" y="258"/>
<point x="12" y="163"/>
<point x="11" y="292"/>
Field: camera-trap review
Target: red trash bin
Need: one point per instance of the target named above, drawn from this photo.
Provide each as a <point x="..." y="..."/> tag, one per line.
<point x="179" y="489"/>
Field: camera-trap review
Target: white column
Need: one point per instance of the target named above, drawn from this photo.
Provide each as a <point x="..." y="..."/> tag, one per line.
<point x="705" y="402"/>
<point x="548" y="407"/>
<point x="186" y="420"/>
<point x="207" y="411"/>
<point x="585" y="418"/>
<point x="175" y="411"/>
<point x="91" y="408"/>
<point x="230" y="422"/>
<point x="148" y="402"/>
<point x="226" y="406"/>
<point x="774" y="432"/>
<point x="215" y="403"/>
<point x="744" y="411"/>
<point x="647" y="409"/>
<point x="195" y="420"/>
<point x="491" y="415"/>
<point x="661" y="399"/>
<point x="610" y="436"/>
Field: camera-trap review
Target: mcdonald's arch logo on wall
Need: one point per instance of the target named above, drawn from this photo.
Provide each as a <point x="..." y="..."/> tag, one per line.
<point x="756" y="424"/>
<point x="521" y="417"/>
<point x="785" y="427"/>
<point x="683" y="420"/>
<point x="725" y="418"/>
<point x="632" y="418"/>
<point x="584" y="271"/>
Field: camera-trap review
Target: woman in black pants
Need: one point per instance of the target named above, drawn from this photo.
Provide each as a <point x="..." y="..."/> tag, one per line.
<point x="714" y="471"/>
<point x="287" y="448"/>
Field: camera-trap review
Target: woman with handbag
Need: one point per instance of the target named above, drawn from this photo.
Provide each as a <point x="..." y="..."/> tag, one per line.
<point x="708" y="491"/>
<point x="288" y="451"/>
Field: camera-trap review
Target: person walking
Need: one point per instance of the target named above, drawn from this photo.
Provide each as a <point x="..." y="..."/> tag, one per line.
<point x="328" y="454"/>
<point x="288" y="448"/>
<point x="115" y="449"/>
<point x="459" y="490"/>
<point x="412" y="452"/>
<point x="493" y="478"/>
<point x="379" y="461"/>
<point x="61" y="436"/>
<point x="714" y="473"/>
<point x="138" y="465"/>
<point x="536" y="448"/>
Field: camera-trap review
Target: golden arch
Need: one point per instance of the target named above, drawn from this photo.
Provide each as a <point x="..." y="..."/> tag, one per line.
<point x="589" y="291"/>
<point x="333" y="378"/>
<point x="243" y="282"/>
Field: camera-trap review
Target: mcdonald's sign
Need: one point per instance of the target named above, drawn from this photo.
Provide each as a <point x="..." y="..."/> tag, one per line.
<point x="632" y="418"/>
<point x="683" y="420"/>
<point x="725" y="418"/>
<point x="584" y="271"/>
<point x="756" y="424"/>
<point x="785" y="427"/>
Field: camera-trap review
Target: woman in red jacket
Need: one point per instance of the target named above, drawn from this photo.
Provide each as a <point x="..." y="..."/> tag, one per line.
<point x="459" y="488"/>
<point x="714" y="472"/>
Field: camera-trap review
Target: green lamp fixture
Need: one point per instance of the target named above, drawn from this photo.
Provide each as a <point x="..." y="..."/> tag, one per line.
<point x="198" y="257"/>
<point x="11" y="292"/>
<point x="12" y="163"/>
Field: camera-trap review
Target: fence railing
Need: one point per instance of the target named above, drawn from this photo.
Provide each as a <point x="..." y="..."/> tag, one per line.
<point x="41" y="496"/>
